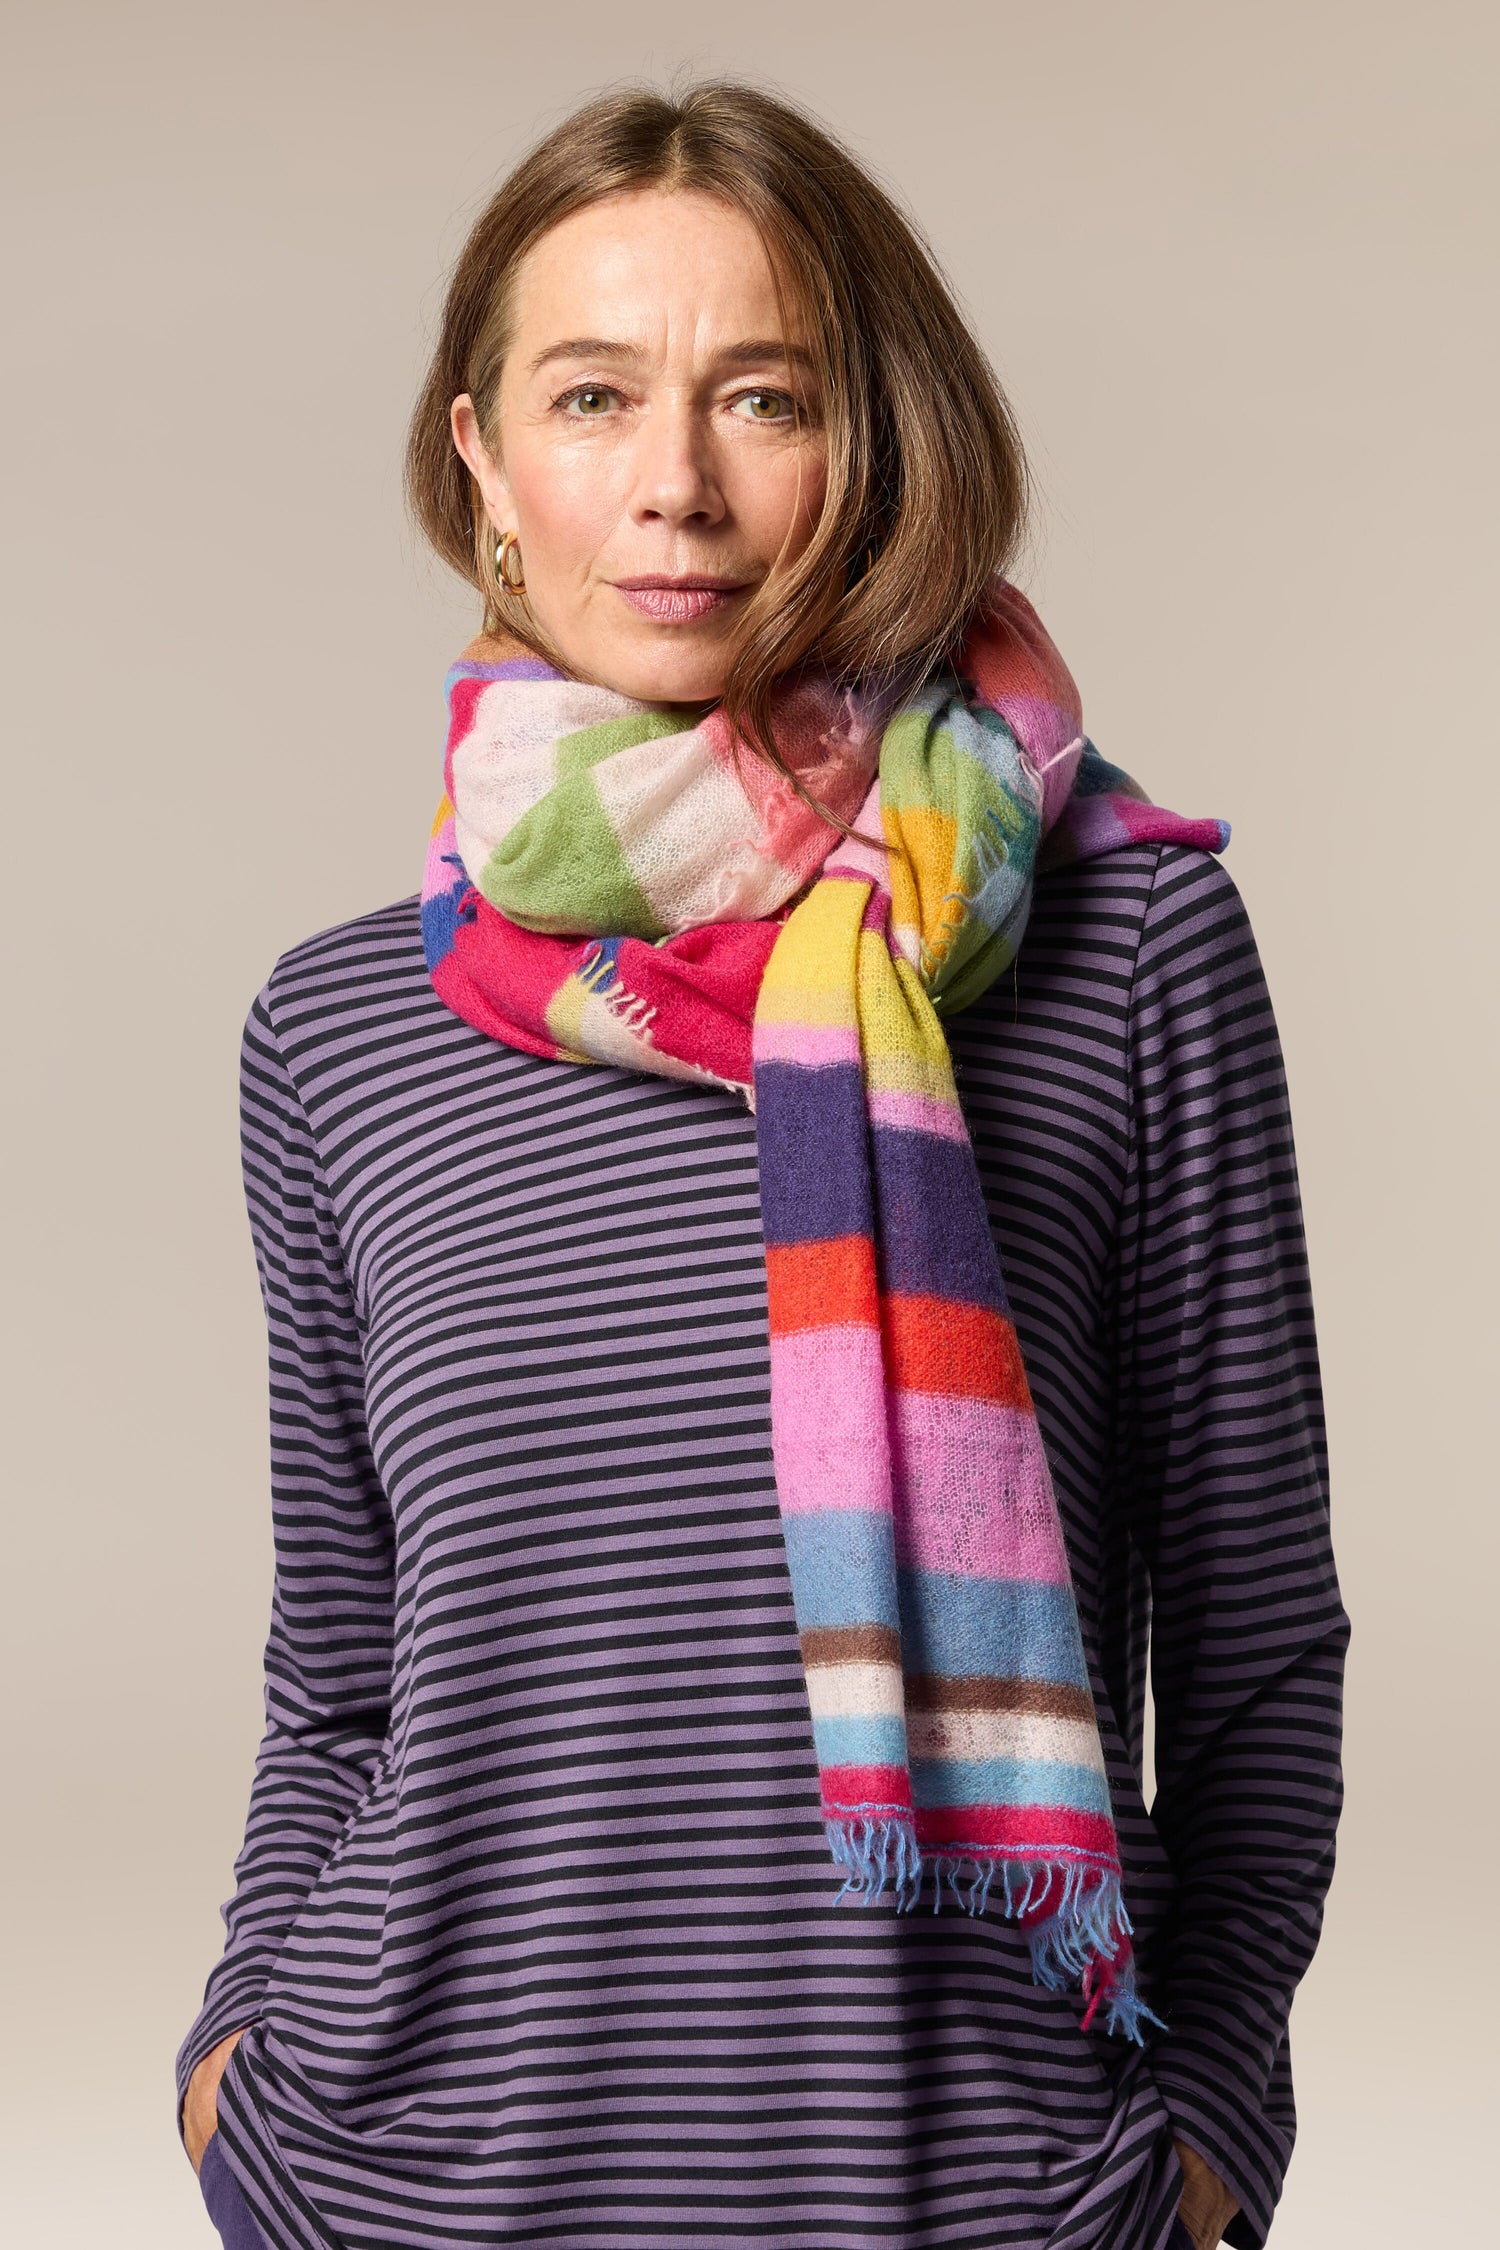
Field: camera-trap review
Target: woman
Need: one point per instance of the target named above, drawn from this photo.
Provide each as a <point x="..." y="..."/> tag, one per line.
<point x="678" y="1527"/>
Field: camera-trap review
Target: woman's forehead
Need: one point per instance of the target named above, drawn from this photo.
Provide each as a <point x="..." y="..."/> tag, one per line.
<point x="638" y="267"/>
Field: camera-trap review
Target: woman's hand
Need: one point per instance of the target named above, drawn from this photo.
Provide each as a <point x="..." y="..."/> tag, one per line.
<point x="200" y="2104"/>
<point x="1207" y="2205"/>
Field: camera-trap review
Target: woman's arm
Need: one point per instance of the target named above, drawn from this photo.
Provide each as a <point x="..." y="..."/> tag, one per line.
<point x="1223" y="1437"/>
<point x="328" y="1655"/>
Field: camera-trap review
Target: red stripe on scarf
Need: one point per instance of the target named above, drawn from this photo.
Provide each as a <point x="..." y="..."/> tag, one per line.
<point x="873" y="1792"/>
<point x="822" y="1284"/>
<point x="958" y="1351"/>
<point x="1020" y="1832"/>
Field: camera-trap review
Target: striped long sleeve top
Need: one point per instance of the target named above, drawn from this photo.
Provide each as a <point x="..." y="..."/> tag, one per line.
<point x="533" y="1925"/>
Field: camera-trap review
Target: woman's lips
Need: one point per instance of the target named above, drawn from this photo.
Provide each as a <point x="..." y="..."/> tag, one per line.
<point x="677" y="605"/>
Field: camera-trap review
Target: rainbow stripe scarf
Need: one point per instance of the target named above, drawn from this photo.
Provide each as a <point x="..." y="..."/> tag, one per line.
<point x="613" y="883"/>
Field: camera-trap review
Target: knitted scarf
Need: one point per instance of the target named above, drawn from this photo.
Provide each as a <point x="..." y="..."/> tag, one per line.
<point x="609" y="882"/>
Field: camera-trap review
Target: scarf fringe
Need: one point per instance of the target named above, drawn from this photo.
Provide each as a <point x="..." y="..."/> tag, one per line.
<point x="1076" y="1946"/>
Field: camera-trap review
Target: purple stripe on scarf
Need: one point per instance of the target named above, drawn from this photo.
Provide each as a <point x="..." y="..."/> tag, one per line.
<point x="934" y="1230"/>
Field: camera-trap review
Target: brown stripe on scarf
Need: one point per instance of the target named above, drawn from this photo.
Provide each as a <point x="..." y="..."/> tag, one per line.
<point x="1048" y="1699"/>
<point x="850" y="1644"/>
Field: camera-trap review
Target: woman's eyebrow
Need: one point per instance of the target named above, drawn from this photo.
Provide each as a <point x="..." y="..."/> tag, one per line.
<point x="754" y="351"/>
<point x="582" y="347"/>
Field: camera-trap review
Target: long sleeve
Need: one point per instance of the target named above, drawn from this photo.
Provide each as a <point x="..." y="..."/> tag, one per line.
<point x="1226" y="1463"/>
<point x="328" y="1654"/>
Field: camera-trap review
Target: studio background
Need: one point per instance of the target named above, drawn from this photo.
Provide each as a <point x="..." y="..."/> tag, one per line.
<point x="1236" y="265"/>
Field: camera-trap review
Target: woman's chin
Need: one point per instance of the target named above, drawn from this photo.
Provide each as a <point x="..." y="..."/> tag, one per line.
<point x="661" y="666"/>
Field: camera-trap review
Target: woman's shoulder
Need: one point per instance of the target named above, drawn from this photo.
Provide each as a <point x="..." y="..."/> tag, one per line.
<point x="357" y="975"/>
<point x="386" y="935"/>
<point x="1146" y="958"/>
<point x="1125" y="909"/>
<point x="1148" y="927"/>
<point x="1132" y="961"/>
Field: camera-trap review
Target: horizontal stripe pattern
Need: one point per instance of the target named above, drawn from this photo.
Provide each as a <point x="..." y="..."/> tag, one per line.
<point x="909" y="1465"/>
<point x="903" y="1432"/>
<point x="532" y="1589"/>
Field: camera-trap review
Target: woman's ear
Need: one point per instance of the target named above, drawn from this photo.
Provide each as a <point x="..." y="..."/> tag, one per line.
<point x="481" y="463"/>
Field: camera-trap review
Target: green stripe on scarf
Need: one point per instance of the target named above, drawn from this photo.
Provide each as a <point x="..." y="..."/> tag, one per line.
<point x="560" y="867"/>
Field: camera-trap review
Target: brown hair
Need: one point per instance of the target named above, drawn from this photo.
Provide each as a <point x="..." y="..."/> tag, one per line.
<point x="927" y="483"/>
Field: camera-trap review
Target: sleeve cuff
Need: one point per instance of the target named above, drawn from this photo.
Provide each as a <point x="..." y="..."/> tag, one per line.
<point x="1246" y="2149"/>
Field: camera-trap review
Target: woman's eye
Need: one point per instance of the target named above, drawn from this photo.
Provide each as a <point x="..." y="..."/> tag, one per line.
<point x="765" y="406"/>
<point x="590" y="400"/>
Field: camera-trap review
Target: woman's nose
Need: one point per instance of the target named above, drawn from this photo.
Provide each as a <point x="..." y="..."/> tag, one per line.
<point x="675" y="479"/>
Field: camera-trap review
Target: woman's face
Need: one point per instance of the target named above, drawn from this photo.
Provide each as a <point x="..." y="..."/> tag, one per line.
<point x="648" y="455"/>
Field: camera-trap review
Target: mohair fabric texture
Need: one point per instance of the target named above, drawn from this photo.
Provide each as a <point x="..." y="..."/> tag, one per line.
<point x="614" y="883"/>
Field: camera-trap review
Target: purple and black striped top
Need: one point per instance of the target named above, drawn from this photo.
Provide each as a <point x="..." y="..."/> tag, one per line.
<point x="533" y="1922"/>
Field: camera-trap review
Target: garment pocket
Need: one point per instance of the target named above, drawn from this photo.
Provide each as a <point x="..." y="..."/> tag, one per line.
<point x="225" y="2201"/>
<point x="208" y="2165"/>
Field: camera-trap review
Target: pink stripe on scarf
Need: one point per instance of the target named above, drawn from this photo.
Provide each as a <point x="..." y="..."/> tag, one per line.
<point x="918" y="1113"/>
<point x="972" y="1495"/>
<point x="830" y="738"/>
<point x="812" y="1045"/>
<point x="828" y="1420"/>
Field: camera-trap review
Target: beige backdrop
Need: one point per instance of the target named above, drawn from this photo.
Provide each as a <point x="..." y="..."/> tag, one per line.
<point x="1234" y="263"/>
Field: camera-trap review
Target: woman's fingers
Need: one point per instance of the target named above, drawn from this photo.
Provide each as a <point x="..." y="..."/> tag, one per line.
<point x="200" y="2104"/>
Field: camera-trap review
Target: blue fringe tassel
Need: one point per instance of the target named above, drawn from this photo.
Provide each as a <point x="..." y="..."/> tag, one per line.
<point x="1087" y="1922"/>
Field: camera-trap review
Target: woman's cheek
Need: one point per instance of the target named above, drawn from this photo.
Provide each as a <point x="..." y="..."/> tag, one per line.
<point x="566" y="499"/>
<point x="782" y="498"/>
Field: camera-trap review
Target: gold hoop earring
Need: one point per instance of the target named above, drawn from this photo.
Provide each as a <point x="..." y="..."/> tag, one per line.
<point x="510" y="544"/>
